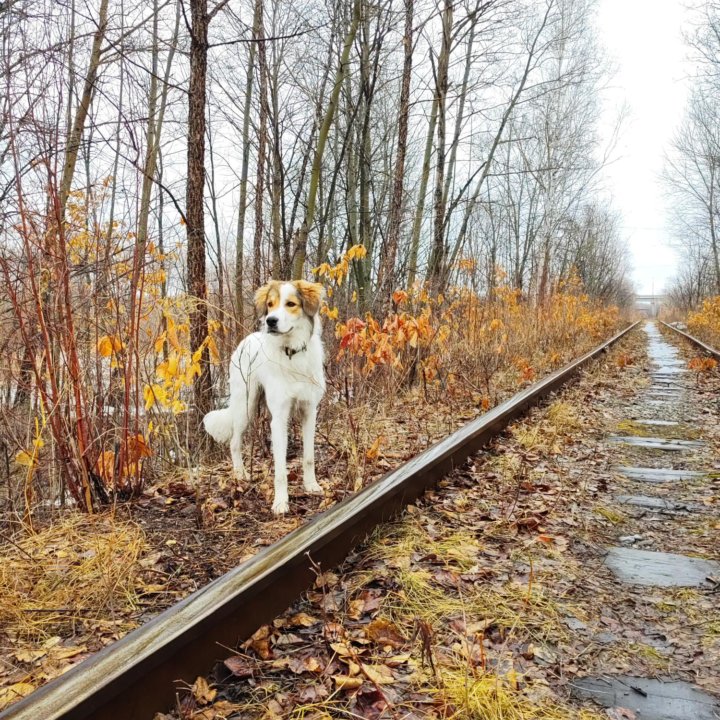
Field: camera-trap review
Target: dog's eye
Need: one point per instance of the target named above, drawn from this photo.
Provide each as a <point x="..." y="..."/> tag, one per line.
<point x="290" y="303"/>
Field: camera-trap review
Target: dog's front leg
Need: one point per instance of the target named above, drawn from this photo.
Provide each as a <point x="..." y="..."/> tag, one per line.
<point x="279" y="430"/>
<point x="308" y="430"/>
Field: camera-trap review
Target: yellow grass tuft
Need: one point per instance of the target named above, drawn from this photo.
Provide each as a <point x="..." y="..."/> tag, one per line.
<point x="489" y="697"/>
<point x="81" y="569"/>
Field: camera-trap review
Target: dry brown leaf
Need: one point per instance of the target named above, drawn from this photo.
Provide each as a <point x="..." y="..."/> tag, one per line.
<point x="63" y="653"/>
<point x="379" y="674"/>
<point x="345" y="682"/>
<point x="342" y="650"/>
<point x="29" y="655"/>
<point x="356" y="609"/>
<point x="397" y="660"/>
<point x="326" y="579"/>
<point x="202" y="692"/>
<point x="383" y="632"/>
<point x="260" y="642"/>
<point x="219" y="711"/>
<point x="14" y="692"/>
<point x="303" y="620"/>
<point x="239" y="666"/>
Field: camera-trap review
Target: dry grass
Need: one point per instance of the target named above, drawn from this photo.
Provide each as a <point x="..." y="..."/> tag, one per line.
<point x="488" y="697"/>
<point x="510" y="605"/>
<point x="545" y="431"/>
<point x="84" y="568"/>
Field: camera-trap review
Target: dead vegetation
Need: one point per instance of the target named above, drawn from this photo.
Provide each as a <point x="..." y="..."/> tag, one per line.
<point x="489" y="596"/>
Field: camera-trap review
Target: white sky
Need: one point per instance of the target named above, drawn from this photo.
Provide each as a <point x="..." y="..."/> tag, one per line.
<point x="644" y="40"/>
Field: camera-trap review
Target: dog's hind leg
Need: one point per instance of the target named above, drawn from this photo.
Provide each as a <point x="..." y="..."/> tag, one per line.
<point x="243" y="410"/>
<point x="279" y="430"/>
<point x="308" y="431"/>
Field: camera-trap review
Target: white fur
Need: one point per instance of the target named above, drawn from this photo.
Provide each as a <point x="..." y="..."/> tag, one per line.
<point x="292" y="380"/>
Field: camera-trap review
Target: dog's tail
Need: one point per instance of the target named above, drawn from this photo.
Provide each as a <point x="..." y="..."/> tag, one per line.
<point x="219" y="424"/>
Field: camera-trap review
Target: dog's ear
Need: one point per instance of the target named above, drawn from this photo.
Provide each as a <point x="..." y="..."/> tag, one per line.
<point x="311" y="294"/>
<point x="261" y="297"/>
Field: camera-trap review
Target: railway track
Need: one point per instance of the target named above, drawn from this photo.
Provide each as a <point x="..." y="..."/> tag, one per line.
<point x="136" y="676"/>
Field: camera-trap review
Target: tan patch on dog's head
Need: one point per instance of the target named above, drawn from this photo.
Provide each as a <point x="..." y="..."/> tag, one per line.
<point x="311" y="295"/>
<point x="267" y="297"/>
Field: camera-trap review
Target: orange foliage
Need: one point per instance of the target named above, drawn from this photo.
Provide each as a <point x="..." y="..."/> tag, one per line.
<point x="458" y="337"/>
<point x="702" y="364"/>
<point x="705" y="322"/>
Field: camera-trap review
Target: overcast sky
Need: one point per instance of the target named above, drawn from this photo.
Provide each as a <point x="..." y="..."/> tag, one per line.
<point x="644" y="39"/>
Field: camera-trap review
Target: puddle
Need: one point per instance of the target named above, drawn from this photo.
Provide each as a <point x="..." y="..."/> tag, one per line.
<point x="648" y="698"/>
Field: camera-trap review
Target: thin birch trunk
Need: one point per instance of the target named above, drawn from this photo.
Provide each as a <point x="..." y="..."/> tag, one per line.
<point x="386" y="272"/>
<point x="437" y="256"/>
<point x="78" y="127"/>
<point x="242" y="202"/>
<point x="300" y="252"/>
<point x="422" y="192"/>
<point x="259" y="31"/>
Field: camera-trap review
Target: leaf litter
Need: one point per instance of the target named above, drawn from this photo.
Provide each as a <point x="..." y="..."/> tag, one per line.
<point x="489" y="595"/>
<point x="93" y="579"/>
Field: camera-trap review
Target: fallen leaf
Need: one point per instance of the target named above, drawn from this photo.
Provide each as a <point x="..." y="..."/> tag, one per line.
<point x="383" y="632"/>
<point x="260" y="642"/>
<point x="14" y="692"/>
<point x="379" y="674"/>
<point x="239" y="666"/>
<point x="303" y="620"/>
<point x="345" y="682"/>
<point x="202" y="692"/>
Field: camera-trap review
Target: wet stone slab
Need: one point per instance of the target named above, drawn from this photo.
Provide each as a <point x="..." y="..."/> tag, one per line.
<point x="648" y="698"/>
<point x="668" y="381"/>
<point x="653" y="503"/>
<point x="656" y="443"/>
<point x="659" y="423"/>
<point x="645" y="567"/>
<point x="659" y="475"/>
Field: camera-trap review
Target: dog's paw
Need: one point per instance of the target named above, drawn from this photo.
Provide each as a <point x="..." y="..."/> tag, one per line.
<point x="240" y="474"/>
<point x="313" y="488"/>
<point x="281" y="506"/>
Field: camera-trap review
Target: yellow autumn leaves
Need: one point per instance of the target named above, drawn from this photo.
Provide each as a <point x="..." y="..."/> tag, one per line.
<point x="177" y="372"/>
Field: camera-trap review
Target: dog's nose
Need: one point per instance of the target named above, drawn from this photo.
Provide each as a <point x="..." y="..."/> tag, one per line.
<point x="271" y="322"/>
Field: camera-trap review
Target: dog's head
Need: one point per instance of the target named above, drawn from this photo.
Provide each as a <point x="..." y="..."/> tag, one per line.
<point x="287" y="307"/>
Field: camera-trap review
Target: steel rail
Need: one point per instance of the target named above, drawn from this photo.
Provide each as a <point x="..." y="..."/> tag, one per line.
<point x="704" y="346"/>
<point x="137" y="675"/>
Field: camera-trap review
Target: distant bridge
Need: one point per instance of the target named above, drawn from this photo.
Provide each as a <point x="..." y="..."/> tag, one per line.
<point x="650" y="304"/>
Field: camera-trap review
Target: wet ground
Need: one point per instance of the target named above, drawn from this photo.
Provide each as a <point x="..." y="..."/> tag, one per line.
<point x="570" y="571"/>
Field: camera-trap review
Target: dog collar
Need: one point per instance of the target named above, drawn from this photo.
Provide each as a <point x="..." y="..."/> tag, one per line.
<point x="294" y="351"/>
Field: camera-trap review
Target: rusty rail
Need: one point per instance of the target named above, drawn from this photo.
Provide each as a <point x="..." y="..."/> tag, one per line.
<point x="704" y="346"/>
<point x="137" y="675"/>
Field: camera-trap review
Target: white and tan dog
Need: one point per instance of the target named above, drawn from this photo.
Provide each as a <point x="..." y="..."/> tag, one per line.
<point x="285" y="361"/>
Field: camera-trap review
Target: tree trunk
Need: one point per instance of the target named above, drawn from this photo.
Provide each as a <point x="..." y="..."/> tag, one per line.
<point x="436" y="265"/>
<point x="195" y="210"/>
<point x="259" y="32"/>
<point x="242" y="202"/>
<point x="420" y="209"/>
<point x="386" y="272"/>
<point x="300" y="251"/>
<point x="83" y="108"/>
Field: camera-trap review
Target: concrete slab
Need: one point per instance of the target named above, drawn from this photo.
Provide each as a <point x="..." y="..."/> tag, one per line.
<point x="648" y="698"/>
<point x="653" y="503"/>
<point x="659" y="475"/>
<point x="656" y="443"/>
<point x="644" y="567"/>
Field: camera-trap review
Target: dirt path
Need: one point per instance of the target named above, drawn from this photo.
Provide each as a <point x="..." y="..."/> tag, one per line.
<point x="573" y="565"/>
